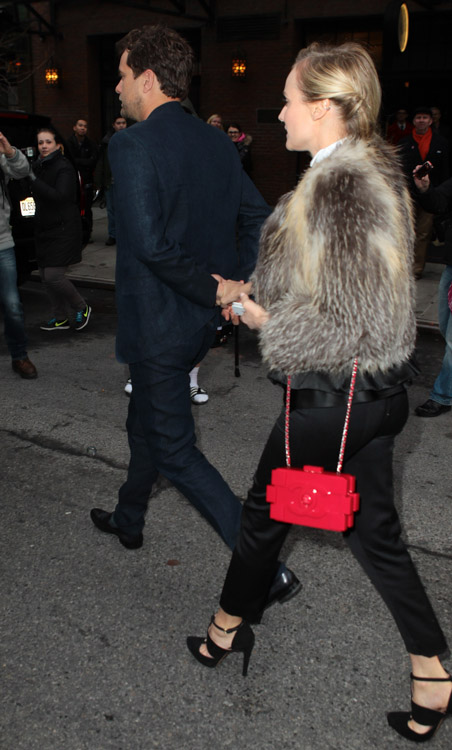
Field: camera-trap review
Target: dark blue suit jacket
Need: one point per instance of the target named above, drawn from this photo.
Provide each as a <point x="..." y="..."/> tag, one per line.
<point x="180" y="197"/>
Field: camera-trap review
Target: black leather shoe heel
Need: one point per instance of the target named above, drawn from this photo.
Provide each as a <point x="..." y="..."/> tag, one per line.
<point x="101" y="519"/>
<point x="284" y="587"/>
<point x="431" y="409"/>
<point x="398" y="720"/>
<point x="243" y="642"/>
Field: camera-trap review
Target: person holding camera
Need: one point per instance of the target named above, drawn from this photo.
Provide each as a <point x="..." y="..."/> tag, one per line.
<point x="13" y="165"/>
<point x="333" y="284"/>
<point x="439" y="201"/>
<point x="421" y="145"/>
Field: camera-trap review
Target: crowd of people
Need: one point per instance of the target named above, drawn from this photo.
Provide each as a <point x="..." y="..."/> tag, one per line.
<point x="65" y="178"/>
<point x="57" y="189"/>
<point x="326" y="280"/>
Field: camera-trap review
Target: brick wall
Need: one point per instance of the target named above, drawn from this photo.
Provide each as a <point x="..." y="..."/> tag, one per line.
<point x="269" y="61"/>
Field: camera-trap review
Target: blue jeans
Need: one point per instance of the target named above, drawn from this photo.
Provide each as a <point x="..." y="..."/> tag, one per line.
<point x="110" y="201"/>
<point x="11" y="305"/>
<point x="162" y="439"/>
<point x="442" y="387"/>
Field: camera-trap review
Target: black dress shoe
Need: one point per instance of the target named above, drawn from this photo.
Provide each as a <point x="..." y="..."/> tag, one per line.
<point x="101" y="519"/>
<point x="284" y="587"/>
<point x="431" y="409"/>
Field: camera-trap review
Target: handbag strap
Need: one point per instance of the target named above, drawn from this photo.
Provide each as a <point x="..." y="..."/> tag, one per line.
<point x="346" y="423"/>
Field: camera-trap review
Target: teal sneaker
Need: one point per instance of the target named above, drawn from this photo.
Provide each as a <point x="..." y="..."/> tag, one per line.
<point x="82" y="318"/>
<point x="55" y="325"/>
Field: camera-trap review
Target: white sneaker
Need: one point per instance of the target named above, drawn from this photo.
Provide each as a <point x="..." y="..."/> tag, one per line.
<point x="198" y="395"/>
<point x="128" y="387"/>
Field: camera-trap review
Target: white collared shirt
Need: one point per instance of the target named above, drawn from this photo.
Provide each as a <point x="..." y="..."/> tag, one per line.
<point x="324" y="152"/>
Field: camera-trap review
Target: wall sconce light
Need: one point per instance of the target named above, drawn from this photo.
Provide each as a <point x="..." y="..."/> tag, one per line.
<point x="396" y="22"/>
<point x="53" y="77"/>
<point x="238" y="68"/>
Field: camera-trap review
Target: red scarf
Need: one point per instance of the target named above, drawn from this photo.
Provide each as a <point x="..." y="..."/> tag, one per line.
<point x="423" y="142"/>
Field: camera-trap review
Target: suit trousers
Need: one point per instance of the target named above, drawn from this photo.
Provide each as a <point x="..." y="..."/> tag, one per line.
<point x="375" y="539"/>
<point x="162" y="439"/>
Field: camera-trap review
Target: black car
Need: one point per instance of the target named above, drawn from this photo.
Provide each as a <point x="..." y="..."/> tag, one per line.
<point x="20" y="128"/>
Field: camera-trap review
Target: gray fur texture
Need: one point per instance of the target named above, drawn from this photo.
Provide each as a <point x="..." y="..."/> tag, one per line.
<point x="335" y="266"/>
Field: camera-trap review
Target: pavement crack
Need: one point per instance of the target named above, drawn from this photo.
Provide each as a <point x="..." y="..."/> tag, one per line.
<point x="60" y="447"/>
<point x="430" y="552"/>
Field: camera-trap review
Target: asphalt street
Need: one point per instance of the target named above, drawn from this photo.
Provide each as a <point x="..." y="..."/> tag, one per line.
<point x="93" y="635"/>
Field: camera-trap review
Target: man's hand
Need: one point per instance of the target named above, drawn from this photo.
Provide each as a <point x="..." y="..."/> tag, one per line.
<point x="5" y="147"/>
<point x="228" y="290"/>
<point x="424" y="183"/>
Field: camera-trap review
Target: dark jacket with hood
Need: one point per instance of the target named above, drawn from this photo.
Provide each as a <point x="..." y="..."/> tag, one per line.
<point x="58" y="227"/>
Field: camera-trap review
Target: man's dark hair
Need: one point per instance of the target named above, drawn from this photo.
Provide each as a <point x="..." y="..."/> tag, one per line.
<point x="165" y="52"/>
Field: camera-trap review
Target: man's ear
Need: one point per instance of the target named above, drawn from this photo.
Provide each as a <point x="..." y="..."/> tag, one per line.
<point x="149" y="80"/>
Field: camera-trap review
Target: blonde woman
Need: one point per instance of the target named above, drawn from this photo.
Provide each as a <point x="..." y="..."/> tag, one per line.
<point x="334" y="282"/>
<point x="216" y="121"/>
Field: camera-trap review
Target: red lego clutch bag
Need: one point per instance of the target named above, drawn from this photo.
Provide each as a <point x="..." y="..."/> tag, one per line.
<point x="312" y="496"/>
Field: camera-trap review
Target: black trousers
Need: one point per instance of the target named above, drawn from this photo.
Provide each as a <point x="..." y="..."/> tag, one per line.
<point x="375" y="538"/>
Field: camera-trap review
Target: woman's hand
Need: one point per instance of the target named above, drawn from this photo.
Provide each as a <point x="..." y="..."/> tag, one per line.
<point x="424" y="183"/>
<point x="5" y="147"/>
<point x="254" y="316"/>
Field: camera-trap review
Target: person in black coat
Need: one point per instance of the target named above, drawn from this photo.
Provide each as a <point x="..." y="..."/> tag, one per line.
<point x="180" y="195"/>
<point x="424" y="144"/>
<point x="242" y="144"/>
<point x="58" y="230"/>
<point x="84" y="154"/>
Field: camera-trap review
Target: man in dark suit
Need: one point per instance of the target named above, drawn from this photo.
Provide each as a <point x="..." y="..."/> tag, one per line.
<point x="181" y="195"/>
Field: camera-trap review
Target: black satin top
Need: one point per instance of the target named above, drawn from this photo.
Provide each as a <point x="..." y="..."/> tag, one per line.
<point x="322" y="389"/>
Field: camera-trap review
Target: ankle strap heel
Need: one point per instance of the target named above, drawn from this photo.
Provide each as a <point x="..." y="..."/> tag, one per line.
<point x="243" y="642"/>
<point x="427" y="717"/>
<point x="225" y="630"/>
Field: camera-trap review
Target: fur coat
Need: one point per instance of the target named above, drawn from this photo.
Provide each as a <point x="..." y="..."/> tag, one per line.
<point x="335" y="266"/>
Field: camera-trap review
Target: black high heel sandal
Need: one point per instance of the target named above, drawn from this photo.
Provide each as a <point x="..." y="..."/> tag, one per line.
<point x="398" y="720"/>
<point x="242" y="642"/>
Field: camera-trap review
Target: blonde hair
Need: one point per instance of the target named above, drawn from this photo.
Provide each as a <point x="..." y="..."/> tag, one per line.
<point x="212" y="117"/>
<point x="345" y="74"/>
